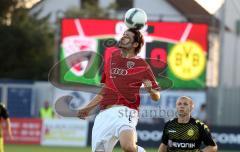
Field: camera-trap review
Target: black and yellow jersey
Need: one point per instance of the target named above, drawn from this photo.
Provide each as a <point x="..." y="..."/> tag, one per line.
<point x="3" y="112"/>
<point x="186" y="137"/>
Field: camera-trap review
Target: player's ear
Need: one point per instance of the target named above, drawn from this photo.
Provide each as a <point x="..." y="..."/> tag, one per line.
<point x="192" y="106"/>
<point x="135" y="44"/>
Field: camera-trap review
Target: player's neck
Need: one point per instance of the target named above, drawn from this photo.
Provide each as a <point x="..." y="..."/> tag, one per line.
<point x="128" y="53"/>
<point x="183" y="119"/>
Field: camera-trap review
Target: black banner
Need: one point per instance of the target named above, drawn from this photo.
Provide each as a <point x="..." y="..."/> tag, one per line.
<point x="149" y="135"/>
<point x="227" y="137"/>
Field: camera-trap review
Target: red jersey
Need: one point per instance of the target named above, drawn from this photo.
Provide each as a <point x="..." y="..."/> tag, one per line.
<point x="123" y="78"/>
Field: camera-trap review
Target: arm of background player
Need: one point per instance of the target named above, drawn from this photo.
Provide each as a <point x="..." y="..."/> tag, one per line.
<point x="162" y="148"/>
<point x="7" y="119"/>
<point x="9" y="128"/>
<point x="163" y="145"/>
<point x="210" y="149"/>
<point x="211" y="146"/>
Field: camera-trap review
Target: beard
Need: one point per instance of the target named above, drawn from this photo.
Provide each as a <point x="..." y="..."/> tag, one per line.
<point x="123" y="46"/>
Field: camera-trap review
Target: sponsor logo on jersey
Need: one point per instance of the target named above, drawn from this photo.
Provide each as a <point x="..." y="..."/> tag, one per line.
<point x="190" y="132"/>
<point x="118" y="71"/>
<point x="172" y="131"/>
<point x="130" y="64"/>
<point x="181" y="145"/>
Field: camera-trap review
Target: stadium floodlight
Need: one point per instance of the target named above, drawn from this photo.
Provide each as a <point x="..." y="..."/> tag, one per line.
<point x="212" y="6"/>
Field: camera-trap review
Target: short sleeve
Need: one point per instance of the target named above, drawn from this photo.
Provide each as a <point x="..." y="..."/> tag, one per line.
<point x="103" y="80"/>
<point x="150" y="76"/>
<point x="165" y="135"/>
<point x="3" y="112"/>
<point x="206" y="136"/>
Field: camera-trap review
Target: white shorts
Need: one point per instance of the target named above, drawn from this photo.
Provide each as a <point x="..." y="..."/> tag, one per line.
<point x="109" y="123"/>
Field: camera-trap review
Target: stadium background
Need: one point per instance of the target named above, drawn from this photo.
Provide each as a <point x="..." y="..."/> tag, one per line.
<point x="217" y="85"/>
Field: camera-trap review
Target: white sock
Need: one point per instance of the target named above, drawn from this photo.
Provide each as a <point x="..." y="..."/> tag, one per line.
<point x="140" y="149"/>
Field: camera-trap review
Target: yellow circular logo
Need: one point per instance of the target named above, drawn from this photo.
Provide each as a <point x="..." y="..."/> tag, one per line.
<point x="187" y="60"/>
<point x="190" y="132"/>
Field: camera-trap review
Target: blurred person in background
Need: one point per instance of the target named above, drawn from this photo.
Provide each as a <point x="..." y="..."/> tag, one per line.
<point x="202" y="113"/>
<point x="46" y="112"/>
<point x="186" y="133"/>
<point x="4" y="115"/>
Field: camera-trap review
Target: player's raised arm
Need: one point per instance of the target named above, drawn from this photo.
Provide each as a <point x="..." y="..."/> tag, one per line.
<point x="155" y="94"/>
<point x="83" y="113"/>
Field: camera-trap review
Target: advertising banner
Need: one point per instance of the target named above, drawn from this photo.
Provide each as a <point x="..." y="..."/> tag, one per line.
<point x="167" y="104"/>
<point x="64" y="132"/>
<point x="227" y="137"/>
<point x="24" y="130"/>
<point x="180" y="50"/>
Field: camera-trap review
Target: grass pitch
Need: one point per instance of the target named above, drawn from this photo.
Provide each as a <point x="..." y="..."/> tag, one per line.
<point x="37" y="148"/>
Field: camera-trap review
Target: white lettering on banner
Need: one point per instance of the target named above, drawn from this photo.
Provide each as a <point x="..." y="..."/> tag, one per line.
<point x="169" y="97"/>
<point x="146" y="135"/>
<point x="227" y="138"/>
<point x="64" y="132"/>
<point x="15" y="124"/>
<point x="25" y="131"/>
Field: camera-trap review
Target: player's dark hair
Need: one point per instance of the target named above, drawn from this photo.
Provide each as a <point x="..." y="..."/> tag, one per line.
<point x="138" y="37"/>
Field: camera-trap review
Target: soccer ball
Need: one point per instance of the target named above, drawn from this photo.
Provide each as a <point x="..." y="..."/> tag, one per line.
<point x="135" y="18"/>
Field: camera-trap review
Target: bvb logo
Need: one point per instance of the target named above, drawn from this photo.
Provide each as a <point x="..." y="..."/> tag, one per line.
<point x="190" y="132"/>
<point x="187" y="60"/>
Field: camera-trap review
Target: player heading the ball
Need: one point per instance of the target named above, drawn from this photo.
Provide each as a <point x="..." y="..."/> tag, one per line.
<point x="119" y="99"/>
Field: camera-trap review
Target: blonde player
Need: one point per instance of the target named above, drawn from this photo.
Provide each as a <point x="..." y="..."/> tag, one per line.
<point x="185" y="133"/>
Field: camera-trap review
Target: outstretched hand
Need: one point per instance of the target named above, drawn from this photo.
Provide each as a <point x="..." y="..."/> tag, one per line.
<point x="147" y="85"/>
<point x="83" y="113"/>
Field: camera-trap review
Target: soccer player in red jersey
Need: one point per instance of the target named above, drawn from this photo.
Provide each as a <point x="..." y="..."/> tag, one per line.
<point x="119" y="99"/>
